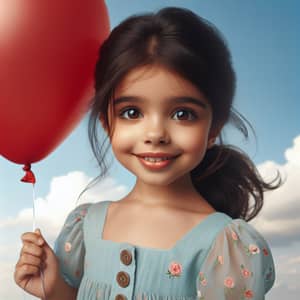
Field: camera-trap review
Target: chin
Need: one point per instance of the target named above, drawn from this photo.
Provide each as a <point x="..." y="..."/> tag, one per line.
<point x="157" y="180"/>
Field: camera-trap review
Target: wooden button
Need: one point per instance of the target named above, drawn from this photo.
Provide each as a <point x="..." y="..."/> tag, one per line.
<point x="123" y="279"/>
<point x="126" y="257"/>
<point x="120" y="297"/>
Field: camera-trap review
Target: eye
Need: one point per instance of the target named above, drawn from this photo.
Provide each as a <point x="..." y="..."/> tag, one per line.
<point x="130" y="113"/>
<point x="184" y="115"/>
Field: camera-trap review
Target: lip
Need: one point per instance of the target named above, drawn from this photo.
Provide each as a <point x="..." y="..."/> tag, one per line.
<point x="157" y="154"/>
<point x="154" y="166"/>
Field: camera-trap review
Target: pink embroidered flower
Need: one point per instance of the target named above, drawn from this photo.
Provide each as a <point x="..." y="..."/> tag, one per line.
<point x="203" y="282"/>
<point x="229" y="282"/>
<point x="234" y="235"/>
<point x="220" y="259"/>
<point x="175" y="269"/>
<point x="246" y="273"/>
<point x="265" y="251"/>
<point x="68" y="247"/>
<point x="248" y="294"/>
<point x="253" y="249"/>
<point x="83" y="212"/>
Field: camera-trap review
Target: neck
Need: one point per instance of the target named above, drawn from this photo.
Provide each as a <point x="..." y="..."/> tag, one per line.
<point x="180" y="194"/>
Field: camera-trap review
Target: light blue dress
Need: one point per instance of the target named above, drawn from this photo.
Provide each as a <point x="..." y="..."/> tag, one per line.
<point x="220" y="258"/>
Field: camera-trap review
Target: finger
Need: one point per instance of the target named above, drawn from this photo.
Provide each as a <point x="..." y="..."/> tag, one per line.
<point x="33" y="237"/>
<point x="24" y="271"/>
<point x="28" y="259"/>
<point x="32" y="249"/>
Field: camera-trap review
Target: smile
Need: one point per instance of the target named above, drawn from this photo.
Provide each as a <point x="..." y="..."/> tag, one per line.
<point x="156" y="161"/>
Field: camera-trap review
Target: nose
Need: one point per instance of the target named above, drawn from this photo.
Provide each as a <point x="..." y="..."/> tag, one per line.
<point x="156" y="132"/>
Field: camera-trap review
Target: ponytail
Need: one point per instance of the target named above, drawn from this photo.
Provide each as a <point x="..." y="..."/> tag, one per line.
<point x="228" y="179"/>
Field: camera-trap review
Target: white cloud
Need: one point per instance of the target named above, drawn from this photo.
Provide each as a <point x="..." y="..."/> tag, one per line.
<point x="279" y="219"/>
<point x="293" y="154"/>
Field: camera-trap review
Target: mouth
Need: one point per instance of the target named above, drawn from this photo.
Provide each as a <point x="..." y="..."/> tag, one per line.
<point x="156" y="161"/>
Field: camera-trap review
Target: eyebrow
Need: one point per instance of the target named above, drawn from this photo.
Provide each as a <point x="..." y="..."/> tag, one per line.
<point x="177" y="100"/>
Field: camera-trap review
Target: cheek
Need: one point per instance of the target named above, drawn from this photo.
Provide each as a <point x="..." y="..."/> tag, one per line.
<point x="193" y="141"/>
<point x="122" y="139"/>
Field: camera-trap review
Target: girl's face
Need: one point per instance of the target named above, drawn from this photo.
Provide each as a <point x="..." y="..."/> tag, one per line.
<point x="161" y="125"/>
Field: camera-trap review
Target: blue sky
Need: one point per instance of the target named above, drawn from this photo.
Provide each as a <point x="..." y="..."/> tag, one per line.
<point x="265" y="46"/>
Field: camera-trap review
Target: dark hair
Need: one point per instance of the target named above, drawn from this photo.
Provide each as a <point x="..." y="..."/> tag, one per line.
<point x="181" y="41"/>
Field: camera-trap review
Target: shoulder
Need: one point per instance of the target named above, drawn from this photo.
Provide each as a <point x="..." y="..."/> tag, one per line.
<point x="78" y="213"/>
<point x="69" y="245"/>
<point x="239" y="231"/>
<point x="238" y="261"/>
<point x="241" y="238"/>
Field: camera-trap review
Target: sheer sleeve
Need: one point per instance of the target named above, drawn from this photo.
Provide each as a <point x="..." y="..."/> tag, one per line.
<point x="238" y="266"/>
<point x="69" y="246"/>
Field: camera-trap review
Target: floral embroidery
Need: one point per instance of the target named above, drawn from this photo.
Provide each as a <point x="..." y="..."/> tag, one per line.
<point x="175" y="269"/>
<point x="68" y="247"/>
<point x="253" y="249"/>
<point x="81" y="215"/>
<point x="248" y="294"/>
<point x="265" y="251"/>
<point x="220" y="259"/>
<point x="203" y="280"/>
<point x="229" y="282"/>
<point x="245" y="272"/>
<point x="234" y="235"/>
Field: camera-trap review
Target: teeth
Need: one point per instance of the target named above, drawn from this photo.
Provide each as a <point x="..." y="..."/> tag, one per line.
<point x="156" y="159"/>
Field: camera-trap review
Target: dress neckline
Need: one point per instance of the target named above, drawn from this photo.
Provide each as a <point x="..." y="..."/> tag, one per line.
<point x="211" y="218"/>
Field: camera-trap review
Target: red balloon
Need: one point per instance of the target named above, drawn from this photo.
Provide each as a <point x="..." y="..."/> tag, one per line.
<point x="48" y="51"/>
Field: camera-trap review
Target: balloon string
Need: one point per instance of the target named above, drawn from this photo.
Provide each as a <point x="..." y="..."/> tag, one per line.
<point x="33" y="229"/>
<point x="30" y="178"/>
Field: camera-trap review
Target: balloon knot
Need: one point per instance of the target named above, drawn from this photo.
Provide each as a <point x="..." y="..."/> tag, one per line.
<point x="29" y="175"/>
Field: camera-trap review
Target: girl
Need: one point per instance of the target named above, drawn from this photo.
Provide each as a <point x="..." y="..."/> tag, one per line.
<point x="164" y="91"/>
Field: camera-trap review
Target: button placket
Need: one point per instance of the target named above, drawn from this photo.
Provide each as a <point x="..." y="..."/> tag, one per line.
<point x="124" y="277"/>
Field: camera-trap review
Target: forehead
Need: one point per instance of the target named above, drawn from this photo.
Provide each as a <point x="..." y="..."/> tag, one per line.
<point x="156" y="81"/>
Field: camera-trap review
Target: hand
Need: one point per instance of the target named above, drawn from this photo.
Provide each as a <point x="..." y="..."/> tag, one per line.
<point x="36" y="255"/>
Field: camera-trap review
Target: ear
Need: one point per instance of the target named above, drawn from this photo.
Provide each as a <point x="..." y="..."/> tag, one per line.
<point x="212" y="137"/>
<point x="211" y="142"/>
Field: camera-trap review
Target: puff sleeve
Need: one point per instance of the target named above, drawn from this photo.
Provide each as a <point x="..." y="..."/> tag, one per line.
<point x="69" y="246"/>
<point x="239" y="265"/>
